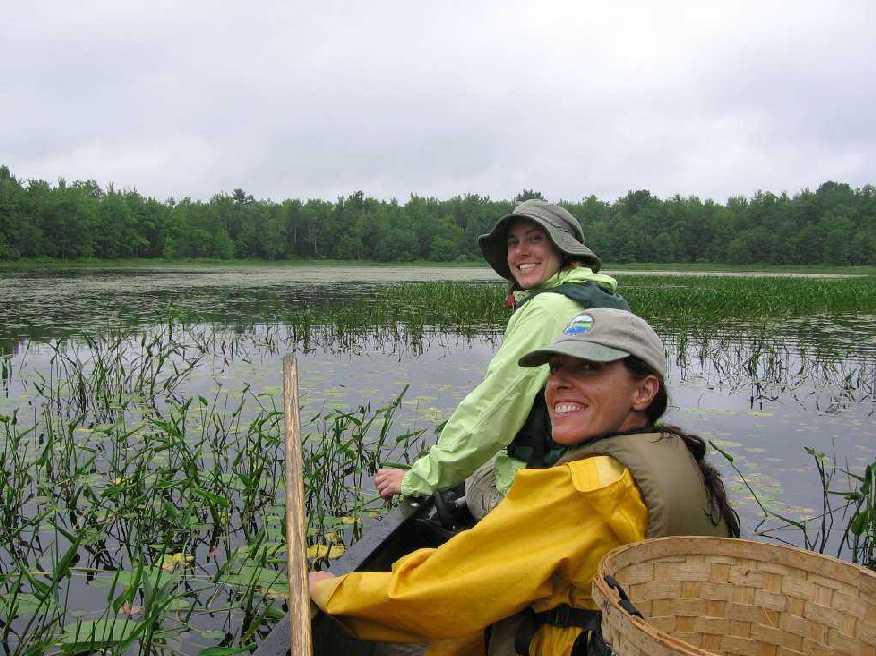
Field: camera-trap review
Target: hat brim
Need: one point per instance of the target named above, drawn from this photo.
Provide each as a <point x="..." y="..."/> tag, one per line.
<point x="574" y="348"/>
<point x="494" y="244"/>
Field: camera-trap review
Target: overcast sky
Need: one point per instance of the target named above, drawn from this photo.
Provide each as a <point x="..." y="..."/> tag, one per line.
<point x="296" y="99"/>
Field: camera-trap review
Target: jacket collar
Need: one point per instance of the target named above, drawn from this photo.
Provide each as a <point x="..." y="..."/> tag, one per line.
<point x="579" y="274"/>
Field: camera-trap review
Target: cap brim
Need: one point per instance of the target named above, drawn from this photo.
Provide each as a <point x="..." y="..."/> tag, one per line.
<point x="573" y="348"/>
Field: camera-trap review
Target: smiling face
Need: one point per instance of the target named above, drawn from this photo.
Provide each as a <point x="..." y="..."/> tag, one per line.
<point x="532" y="256"/>
<point x="586" y="399"/>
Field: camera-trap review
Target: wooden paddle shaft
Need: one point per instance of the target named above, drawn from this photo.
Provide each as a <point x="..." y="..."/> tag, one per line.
<point x="300" y="643"/>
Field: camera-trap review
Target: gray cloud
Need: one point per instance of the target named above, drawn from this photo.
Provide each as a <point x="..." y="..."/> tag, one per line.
<point x="294" y="99"/>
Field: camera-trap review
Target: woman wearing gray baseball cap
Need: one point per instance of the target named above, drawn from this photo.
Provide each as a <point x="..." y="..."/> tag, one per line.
<point x="525" y="570"/>
<point x="539" y="248"/>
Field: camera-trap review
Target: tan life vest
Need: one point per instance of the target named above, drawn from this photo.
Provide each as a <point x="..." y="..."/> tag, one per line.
<point x="668" y="478"/>
<point x="672" y="487"/>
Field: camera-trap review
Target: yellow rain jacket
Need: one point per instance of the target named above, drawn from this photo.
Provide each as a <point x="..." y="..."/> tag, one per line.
<point x="488" y="418"/>
<point x="540" y="547"/>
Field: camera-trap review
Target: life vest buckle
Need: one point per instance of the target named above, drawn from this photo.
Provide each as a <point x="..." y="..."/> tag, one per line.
<point x="562" y="617"/>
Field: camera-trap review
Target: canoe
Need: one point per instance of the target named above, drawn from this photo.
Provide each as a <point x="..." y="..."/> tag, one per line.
<point x="409" y="527"/>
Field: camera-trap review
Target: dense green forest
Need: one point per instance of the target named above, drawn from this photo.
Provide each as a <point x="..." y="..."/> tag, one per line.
<point x="834" y="225"/>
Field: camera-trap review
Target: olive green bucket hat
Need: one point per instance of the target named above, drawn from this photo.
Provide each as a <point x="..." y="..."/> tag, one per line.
<point x="563" y="229"/>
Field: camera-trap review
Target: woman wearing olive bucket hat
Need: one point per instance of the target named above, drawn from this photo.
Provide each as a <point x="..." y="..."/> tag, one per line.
<point x="539" y="248"/>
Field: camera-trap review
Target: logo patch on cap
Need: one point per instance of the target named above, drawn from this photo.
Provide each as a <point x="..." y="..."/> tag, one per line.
<point x="580" y="325"/>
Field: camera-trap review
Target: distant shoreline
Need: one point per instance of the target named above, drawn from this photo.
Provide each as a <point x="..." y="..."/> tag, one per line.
<point x="643" y="268"/>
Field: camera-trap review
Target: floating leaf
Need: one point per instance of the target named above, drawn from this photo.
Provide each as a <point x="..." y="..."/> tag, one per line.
<point x="274" y="613"/>
<point x="25" y="603"/>
<point x="169" y="562"/>
<point x="128" y="578"/>
<point x="317" y="551"/>
<point x="210" y="497"/>
<point x="268" y="580"/>
<point x="179" y="604"/>
<point x="90" y="634"/>
<point x="212" y="634"/>
<point x="225" y="651"/>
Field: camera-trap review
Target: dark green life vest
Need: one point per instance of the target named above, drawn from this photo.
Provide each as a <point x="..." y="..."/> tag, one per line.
<point x="533" y="444"/>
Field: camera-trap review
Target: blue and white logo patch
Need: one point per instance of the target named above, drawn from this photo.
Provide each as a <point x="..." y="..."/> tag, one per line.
<point x="579" y="325"/>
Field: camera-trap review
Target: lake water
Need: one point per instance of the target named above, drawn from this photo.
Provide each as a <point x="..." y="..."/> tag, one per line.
<point x="762" y="391"/>
<point x="812" y="385"/>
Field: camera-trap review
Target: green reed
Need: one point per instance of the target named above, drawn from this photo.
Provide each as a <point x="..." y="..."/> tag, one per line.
<point x="170" y="501"/>
<point x="853" y="508"/>
<point x="476" y="307"/>
<point x="698" y="299"/>
<point x="860" y="532"/>
<point x="322" y="315"/>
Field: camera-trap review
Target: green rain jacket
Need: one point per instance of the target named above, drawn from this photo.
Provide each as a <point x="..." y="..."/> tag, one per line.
<point x="486" y="420"/>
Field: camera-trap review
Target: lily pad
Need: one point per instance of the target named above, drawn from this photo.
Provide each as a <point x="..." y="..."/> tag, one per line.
<point x="91" y="634"/>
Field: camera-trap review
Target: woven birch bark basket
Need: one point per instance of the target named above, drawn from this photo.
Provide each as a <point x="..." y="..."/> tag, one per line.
<point x="704" y="596"/>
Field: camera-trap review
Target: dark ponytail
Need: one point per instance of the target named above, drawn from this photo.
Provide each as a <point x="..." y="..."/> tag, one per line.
<point x="694" y="443"/>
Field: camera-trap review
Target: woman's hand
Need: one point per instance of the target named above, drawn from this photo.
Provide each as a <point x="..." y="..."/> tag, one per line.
<point x="388" y="481"/>
<point x="313" y="577"/>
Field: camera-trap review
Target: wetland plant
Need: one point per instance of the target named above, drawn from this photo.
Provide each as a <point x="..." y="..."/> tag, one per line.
<point x="854" y="508"/>
<point x="136" y="517"/>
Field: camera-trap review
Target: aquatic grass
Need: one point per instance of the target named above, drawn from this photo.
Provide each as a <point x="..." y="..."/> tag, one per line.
<point x="346" y="449"/>
<point x="410" y="310"/>
<point x="100" y="373"/>
<point x="703" y="299"/>
<point x="163" y="482"/>
<point x="409" y="315"/>
<point x="343" y="316"/>
<point x="773" y="364"/>
<point x="859" y="535"/>
<point x="854" y="508"/>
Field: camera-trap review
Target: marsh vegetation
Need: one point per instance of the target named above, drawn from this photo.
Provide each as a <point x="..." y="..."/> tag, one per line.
<point x="140" y="429"/>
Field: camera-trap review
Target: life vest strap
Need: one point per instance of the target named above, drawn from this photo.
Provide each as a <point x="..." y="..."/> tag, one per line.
<point x="562" y="616"/>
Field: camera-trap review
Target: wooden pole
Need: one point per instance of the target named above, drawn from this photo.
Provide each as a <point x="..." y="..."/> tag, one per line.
<point x="300" y="643"/>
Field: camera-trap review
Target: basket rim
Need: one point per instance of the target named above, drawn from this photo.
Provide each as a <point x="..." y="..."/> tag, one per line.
<point x="608" y="599"/>
<point x="823" y="564"/>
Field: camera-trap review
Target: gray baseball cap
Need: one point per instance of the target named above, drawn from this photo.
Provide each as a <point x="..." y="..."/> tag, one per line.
<point x="604" y="335"/>
<point x="563" y="229"/>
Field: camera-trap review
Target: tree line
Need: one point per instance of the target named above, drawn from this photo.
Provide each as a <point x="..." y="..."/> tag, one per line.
<point x="836" y="224"/>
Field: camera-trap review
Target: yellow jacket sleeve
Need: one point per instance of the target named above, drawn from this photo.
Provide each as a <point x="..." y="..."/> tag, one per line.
<point x="539" y="547"/>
